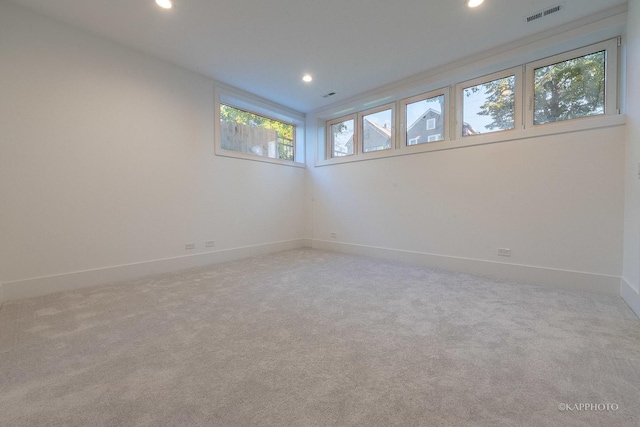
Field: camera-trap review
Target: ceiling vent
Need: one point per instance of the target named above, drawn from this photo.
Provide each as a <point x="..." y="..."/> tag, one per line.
<point x="544" y="13"/>
<point x="328" y="95"/>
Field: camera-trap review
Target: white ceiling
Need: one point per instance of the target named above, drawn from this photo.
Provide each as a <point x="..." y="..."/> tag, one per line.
<point x="265" y="47"/>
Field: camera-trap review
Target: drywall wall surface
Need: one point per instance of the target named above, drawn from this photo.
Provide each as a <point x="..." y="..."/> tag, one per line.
<point x="107" y="159"/>
<point x="631" y="269"/>
<point x="555" y="201"/>
<point x="552" y="196"/>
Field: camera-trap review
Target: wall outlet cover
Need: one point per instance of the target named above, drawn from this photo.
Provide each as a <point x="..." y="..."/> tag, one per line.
<point x="504" y="252"/>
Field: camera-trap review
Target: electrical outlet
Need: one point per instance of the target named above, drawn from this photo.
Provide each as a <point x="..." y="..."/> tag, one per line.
<point x="210" y="243"/>
<point x="190" y="246"/>
<point x="333" y="235"/>
<point x="504" y="252"/>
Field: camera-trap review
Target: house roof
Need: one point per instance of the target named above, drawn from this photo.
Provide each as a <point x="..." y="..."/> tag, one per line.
<point x="380" y="129"/>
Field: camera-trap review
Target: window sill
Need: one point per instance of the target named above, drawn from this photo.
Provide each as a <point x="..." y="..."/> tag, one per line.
<point x="244" y="156"/>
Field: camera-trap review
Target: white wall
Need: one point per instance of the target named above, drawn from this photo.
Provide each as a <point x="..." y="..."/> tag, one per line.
<point x="107" y="159"/>
<point x="631" y="272"/>
<point x="556" y="201"/>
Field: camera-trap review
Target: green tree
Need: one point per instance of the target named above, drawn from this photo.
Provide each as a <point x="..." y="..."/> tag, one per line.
<point x="499" y="103"/>
<point x="562" y="91"/>
<point x="570" y="89"/>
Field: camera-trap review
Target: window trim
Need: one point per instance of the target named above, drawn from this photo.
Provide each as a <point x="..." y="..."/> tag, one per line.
<point x="329" y="140"/>
<point x="518" y="111"/>
<point x="610" y="47"/>
<point x="244" y="101"/>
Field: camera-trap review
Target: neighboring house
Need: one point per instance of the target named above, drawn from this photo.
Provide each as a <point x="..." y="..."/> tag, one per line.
<point x="374" y="138"/>
<point x="468" y="130"/>
<point x="428" y="128"/>
<point x="342" y="146"/>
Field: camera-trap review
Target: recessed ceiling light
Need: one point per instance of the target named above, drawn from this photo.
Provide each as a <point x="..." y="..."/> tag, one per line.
<point x="474" y="3"/>
<point x="307" y="78"/>
<point x="165" y="4"/>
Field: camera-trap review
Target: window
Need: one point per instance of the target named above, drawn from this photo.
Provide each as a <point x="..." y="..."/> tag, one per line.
<point x="570" y="89"/>
<point x="520" y="102"/>
<point x="341" y="134"/>
<point x="247" y="132"/>
<point x="488" y="104"/>
<point x="252" y="128"/>
<point x="377" y="128"/>
<point x="424" y="117"/>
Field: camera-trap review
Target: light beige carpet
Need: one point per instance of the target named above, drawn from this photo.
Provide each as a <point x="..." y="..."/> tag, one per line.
<point x="311" y="338"/>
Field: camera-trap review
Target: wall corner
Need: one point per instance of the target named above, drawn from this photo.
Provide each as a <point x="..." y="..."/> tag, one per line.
<point x="630" y="295"/>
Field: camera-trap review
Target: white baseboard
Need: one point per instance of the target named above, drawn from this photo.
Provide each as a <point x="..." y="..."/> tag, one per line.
<point x="39" y="286"/>
<point x="630" y="295"/>
<point x="566" y="279"/>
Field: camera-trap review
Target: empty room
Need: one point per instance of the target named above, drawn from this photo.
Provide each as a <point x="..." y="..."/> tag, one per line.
<point x="374" y="213"/>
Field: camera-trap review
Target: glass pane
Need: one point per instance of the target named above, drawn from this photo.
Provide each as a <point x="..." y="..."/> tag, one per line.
<point x="489" y="107"/>
<point x="570" y="89"/>
<point x="376" y="131"/>
<point x="425" y="120"/>
<point x="342" y="138"/>
<point x="254" y="134"/>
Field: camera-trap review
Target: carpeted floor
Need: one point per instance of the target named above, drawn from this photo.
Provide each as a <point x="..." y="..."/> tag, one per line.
<point x="312" y="338"/>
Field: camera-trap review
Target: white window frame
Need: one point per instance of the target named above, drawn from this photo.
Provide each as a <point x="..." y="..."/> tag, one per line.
<point x="430" y="121"/>
<point x="329" y="142"/>
<point x="360" y="123"/>
<point x="244" y="101"/>
<point x="459" y="79"/>
<point x="434" y="138"/>
<point x="403" y="143"/>
<point x="460" y="87"/>
<point x="611" y="79"/>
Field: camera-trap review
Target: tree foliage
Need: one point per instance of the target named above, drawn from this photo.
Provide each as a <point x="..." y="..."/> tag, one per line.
<point x="570" y="89"/>
<point x="562" y="91"/>
<point x="499" y="103"/>
<point x="284" y="131"/>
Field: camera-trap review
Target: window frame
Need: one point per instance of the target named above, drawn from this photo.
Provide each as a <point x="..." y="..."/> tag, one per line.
<point x="329" y="140"/>
<point x="429" y="121"/>
<point x="241" y="100"/>
<point x="518" y="110"/>
<point x="451" y="85"/>
<point x="403" y="143"/>
<point x="610" y="47"/>
<point x="362" y="114"/>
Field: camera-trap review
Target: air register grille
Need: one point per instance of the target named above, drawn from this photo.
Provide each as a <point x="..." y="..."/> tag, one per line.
<point x="544" y="13"/>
